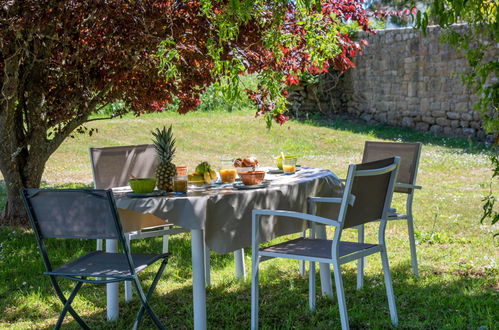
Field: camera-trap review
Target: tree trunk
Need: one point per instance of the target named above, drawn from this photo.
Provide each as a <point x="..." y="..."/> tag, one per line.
<point x="15" y="179"/>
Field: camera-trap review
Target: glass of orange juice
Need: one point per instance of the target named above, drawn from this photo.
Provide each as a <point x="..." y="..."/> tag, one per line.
<point x="289" y="165"/>
<point x="227" y="171"/>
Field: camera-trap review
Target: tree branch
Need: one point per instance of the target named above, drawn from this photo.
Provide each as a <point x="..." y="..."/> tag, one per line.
<point x="102" y="118"/>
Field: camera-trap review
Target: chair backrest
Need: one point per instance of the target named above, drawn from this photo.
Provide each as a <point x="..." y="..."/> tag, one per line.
<point x="113" y="166"/>
<point x="409" y="159"/>
<point x="372" y="185"/>
<point x="72" y="213"/>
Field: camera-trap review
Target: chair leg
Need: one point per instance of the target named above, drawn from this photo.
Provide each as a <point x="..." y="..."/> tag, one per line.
<point x="128" y="285"/>
<point x="360" y="261"/>
<point x="302" y="262"/>
<point x="311" y="286"/>
<point x="145" y="298"/>
<point x="389" y="288"/>
<point x="67" y="305"/>
<point x="254" y="293"/>
<point x="165" y="243"/>
<point x="412" y="244"/>
<point x="324" y="269"/>
<point x="340" y="293"/>
<point x="70" y="309"/>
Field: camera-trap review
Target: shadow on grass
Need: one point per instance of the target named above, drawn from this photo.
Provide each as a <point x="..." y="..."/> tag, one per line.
<point x="399" y="134"/>
<point x="436" y="300"/>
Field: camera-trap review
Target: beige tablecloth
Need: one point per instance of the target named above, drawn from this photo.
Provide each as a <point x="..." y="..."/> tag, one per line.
<point x="225" y="213"/>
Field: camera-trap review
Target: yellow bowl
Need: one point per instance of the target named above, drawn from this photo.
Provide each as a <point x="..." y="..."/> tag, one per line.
<point x="143" y="185"/>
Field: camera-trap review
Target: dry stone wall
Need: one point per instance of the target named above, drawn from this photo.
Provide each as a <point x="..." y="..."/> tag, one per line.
<point x="402" y="79"/>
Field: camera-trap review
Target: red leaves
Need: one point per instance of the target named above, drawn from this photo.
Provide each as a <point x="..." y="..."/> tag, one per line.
<point x="281" y="119"/>
<point x="95" y="46"/>
<point x="291" y="80"/>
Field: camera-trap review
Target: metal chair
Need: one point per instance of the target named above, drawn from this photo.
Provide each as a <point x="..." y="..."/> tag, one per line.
<point x="366" y="198"/>
<point x="409" y="154"/>
<point x="87" y="214"/>
<point x="112" y="167"/>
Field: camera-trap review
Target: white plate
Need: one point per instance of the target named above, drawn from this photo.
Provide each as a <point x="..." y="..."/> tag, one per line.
<point x="242" y="186"/>
<point x="154" y="193"/>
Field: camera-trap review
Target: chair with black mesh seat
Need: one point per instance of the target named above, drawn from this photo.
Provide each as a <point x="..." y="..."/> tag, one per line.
<point x="409" y="154"/>
<point x="366" y="198"/>
<point x="112" y="167"/>
<point x="87" y="214"/>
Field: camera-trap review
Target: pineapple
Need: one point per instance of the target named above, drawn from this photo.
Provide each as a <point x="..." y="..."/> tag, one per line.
<point x="165" y="147"/>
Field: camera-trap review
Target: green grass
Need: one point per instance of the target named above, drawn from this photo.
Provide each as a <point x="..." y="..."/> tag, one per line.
<point x="459" y="282"/>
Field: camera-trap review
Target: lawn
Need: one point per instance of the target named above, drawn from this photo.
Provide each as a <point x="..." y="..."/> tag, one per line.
<point x="459" y="279"/>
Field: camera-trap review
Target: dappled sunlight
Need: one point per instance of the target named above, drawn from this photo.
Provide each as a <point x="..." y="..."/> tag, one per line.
<point x="457" y="264"/>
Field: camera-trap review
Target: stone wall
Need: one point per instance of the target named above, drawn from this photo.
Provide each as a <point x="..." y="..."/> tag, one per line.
<point x="402" y="79"/>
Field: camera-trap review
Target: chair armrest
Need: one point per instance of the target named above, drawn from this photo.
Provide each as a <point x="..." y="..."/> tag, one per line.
<point x="337" y="200"/>
<point x="298" y="215"/>
<point x="407" y="185"/>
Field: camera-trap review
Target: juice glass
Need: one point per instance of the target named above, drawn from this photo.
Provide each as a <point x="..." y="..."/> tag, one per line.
<point x="289" y="165"/>
<point x="180" y="184"/>
<point x="227" y="171"/>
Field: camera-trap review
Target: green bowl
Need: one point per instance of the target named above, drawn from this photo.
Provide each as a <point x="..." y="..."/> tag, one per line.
<point x="142" y="186"/>
<point x="278" y="160"/>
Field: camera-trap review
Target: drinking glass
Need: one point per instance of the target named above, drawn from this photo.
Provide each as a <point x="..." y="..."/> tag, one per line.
<point x="289" y="165"/>
<point x="180" y="184"/>
<point x="227" y="171"/>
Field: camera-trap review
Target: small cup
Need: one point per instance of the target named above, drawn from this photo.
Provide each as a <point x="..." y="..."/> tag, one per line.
<point x="289" y="165"/>
<point x="180" y="184"/>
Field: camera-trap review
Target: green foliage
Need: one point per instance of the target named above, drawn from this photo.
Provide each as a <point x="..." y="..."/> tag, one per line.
<point x="489" y="200"/>
<point x="113" y="109"/>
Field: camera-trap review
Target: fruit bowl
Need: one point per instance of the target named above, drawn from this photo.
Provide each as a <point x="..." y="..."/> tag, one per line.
<point x="278" y="160"/>
<point x="250" y="178"/>
<point x="143" y="185"/>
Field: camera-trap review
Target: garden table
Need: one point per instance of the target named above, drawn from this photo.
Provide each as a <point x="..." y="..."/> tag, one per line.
<point x="221" y="218"/>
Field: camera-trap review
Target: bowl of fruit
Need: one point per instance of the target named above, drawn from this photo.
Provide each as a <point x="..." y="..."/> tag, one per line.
<point x="202" y="177"/>
<point x="246" y="164"/>
<point x="247" y="170"/>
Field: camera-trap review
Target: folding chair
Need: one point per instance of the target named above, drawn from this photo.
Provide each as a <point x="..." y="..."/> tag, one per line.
<point x="366" y="198"/>
<point x="87" y="214"/>
<point x="112" y="167"/>
<point x="409" y="154"/>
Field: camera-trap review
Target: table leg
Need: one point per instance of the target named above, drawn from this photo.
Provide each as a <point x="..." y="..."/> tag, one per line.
<point x="325" y="270"/>
<point x="198" y="279"/>
<point x="239" y="262"/>
<point x="112" y="288"/>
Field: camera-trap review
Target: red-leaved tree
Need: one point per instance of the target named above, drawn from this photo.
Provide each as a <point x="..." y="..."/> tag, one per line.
<point x="61" y="61"/>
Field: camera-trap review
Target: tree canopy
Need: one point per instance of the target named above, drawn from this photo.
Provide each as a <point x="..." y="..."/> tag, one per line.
<point x="61" y="61"/>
